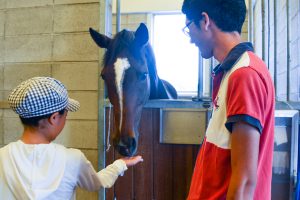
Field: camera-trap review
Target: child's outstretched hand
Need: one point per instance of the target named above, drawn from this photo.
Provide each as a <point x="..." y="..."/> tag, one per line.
<point x="130" y="161"/>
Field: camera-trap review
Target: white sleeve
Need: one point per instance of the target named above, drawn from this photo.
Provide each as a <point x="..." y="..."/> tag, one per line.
<point x="90" y="180"/>
<point x="109" y="175"/>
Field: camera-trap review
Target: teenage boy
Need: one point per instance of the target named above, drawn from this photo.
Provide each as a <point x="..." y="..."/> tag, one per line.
<point x="235" y="160"/>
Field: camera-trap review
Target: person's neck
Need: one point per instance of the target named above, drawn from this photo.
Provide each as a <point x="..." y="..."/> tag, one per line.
<point x="34" y="136"/>
<point x="224" y="43"/>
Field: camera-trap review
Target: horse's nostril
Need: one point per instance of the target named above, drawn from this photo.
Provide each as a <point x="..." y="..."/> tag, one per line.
<point x="133" y="143"/>
<point x="127" y="146"/>
<point x="124" y="151"/>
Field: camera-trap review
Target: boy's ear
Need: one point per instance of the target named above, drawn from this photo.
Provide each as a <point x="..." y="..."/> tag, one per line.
<point x="206" y="21"/>
<point x="53" y="118"/>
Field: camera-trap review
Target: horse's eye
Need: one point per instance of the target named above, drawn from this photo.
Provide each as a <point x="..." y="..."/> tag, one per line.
<point x="143" y="76"/>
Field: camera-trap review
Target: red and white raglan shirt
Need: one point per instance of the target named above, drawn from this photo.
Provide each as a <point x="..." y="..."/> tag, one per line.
<point x="243" y="91"/>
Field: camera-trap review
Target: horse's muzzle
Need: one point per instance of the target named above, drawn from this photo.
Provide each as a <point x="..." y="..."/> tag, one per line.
<point x="126" y="146"/>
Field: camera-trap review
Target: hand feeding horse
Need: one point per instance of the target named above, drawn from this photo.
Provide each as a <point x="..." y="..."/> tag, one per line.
<point x="129" y="72"/>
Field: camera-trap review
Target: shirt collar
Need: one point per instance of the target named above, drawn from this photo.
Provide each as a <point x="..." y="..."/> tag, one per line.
<point x="234" y="54"/>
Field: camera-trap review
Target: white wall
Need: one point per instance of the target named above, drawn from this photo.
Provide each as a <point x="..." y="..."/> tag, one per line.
<point x="133" y="6"/>
<point x="129" y="6"/>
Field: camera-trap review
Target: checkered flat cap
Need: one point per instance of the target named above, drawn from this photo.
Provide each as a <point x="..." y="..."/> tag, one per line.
<point x="40" y="96"/>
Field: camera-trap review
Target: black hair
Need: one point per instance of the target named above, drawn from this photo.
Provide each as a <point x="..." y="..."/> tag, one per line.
<point x="228" y="15"/>
<point x="34" y="121"/>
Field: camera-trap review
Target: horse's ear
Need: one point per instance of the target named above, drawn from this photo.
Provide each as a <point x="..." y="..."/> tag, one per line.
<point x="100" y="39"/>
<point x="141" y="35"/>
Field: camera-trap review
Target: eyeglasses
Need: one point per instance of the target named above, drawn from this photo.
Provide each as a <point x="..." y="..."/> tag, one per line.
<point x="186" y="29"/>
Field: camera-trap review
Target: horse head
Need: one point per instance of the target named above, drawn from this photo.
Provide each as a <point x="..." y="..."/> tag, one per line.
<point x="129" y="73"/>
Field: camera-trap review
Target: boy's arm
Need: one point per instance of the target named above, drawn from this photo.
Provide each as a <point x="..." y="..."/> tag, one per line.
<point x="244" y="159"/>
<point x="90" y="180"/>
<point x="109" y="175"/>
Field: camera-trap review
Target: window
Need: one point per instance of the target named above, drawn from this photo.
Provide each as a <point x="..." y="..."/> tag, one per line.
<point x="177" y="59"/>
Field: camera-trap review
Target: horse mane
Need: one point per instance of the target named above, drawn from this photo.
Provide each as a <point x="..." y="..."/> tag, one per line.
<point x="154" y="79"/>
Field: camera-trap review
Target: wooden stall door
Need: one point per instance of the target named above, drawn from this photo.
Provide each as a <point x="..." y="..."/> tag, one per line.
<point x="166" y="171"/>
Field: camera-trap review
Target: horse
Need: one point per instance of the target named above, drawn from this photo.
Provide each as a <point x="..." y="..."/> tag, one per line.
<point x="130" y="75"/>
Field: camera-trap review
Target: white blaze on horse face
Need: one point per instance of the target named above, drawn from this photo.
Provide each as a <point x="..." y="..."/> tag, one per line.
<point x="121" y="65"/>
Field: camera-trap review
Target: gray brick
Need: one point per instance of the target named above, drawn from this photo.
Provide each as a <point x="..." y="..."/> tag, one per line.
<point x="13" y="129"/>
<point x="24" y="72"/>
<point x="245" y="27"/>
<point x="244" y="37"/>
<point x="26" y="3"/>
<point x="79" y="17"/>
<point x="2" y="110"/>
<point x="77" y="76"/>
<point x="73" y="1"/>
<point x="137" y="18"/>
<point x="1" y="131"/>
<point x="124" y="19"/>
<point x="2" y="22"/>
<point x="1" y="50"/>
<point x="74" y="47"/>
<point x="29" y="21"/>
<point x="79" y="134"/>
<point x="2" y="4"/>
<point x="92" y="156"/>
<point x="1" y="77"/>
<point x="9" y="112"/>
<point x="88" y="105"/>
<point x="131" y="27"/>
<point x="84" y="194"/>
<point x="29" y="48"/>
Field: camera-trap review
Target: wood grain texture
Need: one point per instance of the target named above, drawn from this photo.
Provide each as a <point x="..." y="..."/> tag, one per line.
<point x="166" y="171"/>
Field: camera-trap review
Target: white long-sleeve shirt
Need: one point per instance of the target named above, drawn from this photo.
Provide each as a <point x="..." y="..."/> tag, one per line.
<point x="50" y="171"/>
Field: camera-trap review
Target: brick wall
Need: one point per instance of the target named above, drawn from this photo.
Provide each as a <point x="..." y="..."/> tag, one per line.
<point x="131" y="21"/>
<point x="50" y="38"/>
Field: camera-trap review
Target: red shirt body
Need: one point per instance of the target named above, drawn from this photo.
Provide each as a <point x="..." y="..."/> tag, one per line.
<point x="243" y="91"/>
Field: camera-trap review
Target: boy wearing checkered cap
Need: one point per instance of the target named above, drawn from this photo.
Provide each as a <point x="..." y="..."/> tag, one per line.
<point x="34" y="167"/>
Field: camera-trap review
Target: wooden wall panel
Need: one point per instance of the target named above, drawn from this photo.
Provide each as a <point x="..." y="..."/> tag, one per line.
<point x="162" y="164"/>
<point x="143" y="176"/>
<point x="182" y="170"/>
